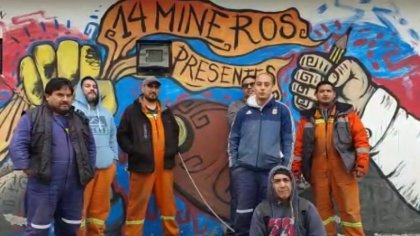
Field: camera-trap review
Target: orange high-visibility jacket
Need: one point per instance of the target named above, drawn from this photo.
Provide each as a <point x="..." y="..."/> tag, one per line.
<point x="350" y="141"/>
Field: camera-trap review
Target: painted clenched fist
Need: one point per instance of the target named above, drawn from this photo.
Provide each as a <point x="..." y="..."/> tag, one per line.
<point x="69" y="60"/>
<point x="352" y="81"/>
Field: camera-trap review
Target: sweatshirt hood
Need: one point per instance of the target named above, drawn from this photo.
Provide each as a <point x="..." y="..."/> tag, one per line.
<point x="252" y="102"/>
<point x="80" y="96"/>
<point x="101" y="123"/>
<point x="271" y="196"/>
<point x="81" y="102"/>
<point x="284" y="209"/>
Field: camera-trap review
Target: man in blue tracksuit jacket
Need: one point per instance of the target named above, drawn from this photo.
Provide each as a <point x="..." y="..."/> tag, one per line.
<point x="261" y="137"/>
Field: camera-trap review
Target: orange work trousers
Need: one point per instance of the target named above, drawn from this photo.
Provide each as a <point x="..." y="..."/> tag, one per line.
<point x="141" y="187"/>
<point x="97" y="202"/>
<point x="331" y="183"/>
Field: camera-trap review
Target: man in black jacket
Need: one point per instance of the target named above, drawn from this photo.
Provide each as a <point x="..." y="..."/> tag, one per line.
<point x="54" y="146"/>
<point x="148" y="133"/>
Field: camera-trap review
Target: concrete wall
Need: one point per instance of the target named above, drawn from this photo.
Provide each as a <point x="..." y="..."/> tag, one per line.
<point x="375" y="67"/>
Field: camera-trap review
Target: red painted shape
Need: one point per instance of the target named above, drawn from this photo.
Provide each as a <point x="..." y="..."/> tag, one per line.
<point x="325" y="28"/>
<point x="227" y="97"/>
<point x="207" y="94"/>
<point x="182" y="97"/>
<point x="408" y="62"/>
<point x="360" y="42"/>
<point x="338" y="24"/>
<point x="406" y="91"/>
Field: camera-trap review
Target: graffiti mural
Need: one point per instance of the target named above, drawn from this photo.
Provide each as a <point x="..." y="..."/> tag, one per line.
<point x="368" y="49"/>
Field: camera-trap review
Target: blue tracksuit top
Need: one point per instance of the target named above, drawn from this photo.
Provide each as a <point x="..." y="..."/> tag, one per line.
<point x="261" y="137"/>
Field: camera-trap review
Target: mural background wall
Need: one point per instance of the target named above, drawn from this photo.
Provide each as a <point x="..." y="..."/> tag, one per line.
<point x="375" y="66"/>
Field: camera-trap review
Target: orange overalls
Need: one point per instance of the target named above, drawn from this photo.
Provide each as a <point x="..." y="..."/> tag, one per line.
<point x="160" y="182"/>
<point x="331" y="182"/>
<point x="97" y="202"/>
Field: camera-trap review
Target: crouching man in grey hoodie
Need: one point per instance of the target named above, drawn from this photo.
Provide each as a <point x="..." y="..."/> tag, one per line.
<point x="284" y="213"/>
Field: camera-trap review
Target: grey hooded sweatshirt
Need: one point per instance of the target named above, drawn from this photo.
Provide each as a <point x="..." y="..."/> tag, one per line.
<point x="296" y="217"/>
<point x="103" y="127"/>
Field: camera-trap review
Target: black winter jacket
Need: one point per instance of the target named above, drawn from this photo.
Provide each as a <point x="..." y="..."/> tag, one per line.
<point x="134" y="138"/>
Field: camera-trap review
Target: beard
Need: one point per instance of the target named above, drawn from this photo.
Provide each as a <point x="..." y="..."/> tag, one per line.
<point x="151" y="97"/>
<point x="92" y="99"/>
<point x="60" y="110"/>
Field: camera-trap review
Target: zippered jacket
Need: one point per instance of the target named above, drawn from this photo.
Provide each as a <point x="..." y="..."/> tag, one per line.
<point x="349" y="140"/>
<point x="261" y="137"/>
<point x="134" y="136"/>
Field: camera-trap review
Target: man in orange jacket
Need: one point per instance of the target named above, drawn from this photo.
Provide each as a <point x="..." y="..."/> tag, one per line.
<point x="332" y="151"/>
<point x="148" y="133"/>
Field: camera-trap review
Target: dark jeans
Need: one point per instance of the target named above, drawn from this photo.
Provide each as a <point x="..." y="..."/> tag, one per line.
<point x="251" y="189"/>
<point x="233" y="200"/>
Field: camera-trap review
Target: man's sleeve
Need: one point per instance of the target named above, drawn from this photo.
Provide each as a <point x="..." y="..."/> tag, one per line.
<point x="258" y="226"/>
<point x="234" y="138"/>
<point x="124" y="134"/>
<point x="20" y="144"/>
<point x="361" y="143"/>
<point x="286" y="134"/>
<point x="298" y="149"/>
<point x="92" y="147"/>
<point x="113" y="139"/>
<point x="315" y="226"/>
<point x="231" y="113"/>
<point x="176" y="127"/>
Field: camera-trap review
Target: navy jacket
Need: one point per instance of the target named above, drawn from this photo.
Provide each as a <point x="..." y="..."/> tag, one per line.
<point x="261" y="137"/>
<point x="52" y="146"/>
